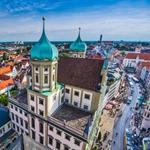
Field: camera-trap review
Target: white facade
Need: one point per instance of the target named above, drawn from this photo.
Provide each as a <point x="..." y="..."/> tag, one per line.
<point x="5" y="128"/>
<point x="113" y="89"/>
<point x="19" y="119"/>
<point x="78" y="97"/>
<point x="65" y="140"/>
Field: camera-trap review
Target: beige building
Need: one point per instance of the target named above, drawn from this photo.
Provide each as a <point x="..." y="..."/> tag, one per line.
<point x="61" y="107"/>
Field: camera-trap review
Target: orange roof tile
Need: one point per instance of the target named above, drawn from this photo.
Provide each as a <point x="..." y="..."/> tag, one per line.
<point x="145" y="64"/>
<point x="145" y="56"/>
<point x="6" y="69"/>
<point x="6" y="83"/>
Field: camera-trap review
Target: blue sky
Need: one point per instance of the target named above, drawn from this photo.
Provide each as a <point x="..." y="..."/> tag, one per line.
<point x="115" y="19"/>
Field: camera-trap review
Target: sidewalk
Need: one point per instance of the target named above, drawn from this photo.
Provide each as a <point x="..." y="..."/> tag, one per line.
<point x="106" y="128"/>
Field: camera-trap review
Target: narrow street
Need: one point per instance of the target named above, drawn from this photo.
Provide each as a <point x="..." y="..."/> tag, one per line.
<point x="123" y="121"/>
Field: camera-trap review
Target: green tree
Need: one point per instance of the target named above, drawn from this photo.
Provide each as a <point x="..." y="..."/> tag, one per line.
<point x="95" y="147"/>
<point x="123" y="53"/>
<point x="5" y="56"/>
<point x="4" y="99"/>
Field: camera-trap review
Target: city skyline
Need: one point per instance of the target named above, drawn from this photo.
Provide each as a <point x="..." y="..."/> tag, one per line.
<point x="125" y="20"/>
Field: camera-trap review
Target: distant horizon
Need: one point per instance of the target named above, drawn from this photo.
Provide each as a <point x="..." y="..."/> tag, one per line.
<point x="84" y="41"/>
<point x="117" y="20"/>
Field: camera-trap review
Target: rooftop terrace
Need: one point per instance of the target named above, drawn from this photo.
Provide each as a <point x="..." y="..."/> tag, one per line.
<point x="73" y="118"/>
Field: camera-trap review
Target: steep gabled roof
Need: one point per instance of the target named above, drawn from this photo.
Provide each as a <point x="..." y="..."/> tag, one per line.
<point x="82" y="73"/>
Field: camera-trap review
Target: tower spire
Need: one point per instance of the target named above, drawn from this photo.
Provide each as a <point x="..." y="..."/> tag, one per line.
<point x="79" y="30"/>
<point x="79" y="37"/>
<point x="43" y="18"/>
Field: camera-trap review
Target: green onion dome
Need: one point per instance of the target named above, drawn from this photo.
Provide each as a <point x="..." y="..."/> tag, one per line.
<point x="44" y="49"/>
<point x="78" y="45"/>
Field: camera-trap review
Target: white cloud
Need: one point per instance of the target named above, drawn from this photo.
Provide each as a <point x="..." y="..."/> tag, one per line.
<point x="116" y="22"/>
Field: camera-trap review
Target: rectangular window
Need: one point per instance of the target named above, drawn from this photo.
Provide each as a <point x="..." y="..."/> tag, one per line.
<point x="51" y="128"/>
<point x="45" y="69"/>
<point x="67" y="91"/>
<point x="36" y="78"/>
<point x="57" y="145"/>
<point x="85" y="107"/>
<point x="11" y="106"/>
<point x="32" y="97"/>
<point x="20" y="111"/>
<point x="16" y="108"/>
<point x="26" y="124"/>
<point x="36" y="69"/>
<point x="21" y="121"/>
<point x="41" y="101"/>
<point x="17" y="119"/>
<point x="45" y="79"/>
<point x="41" y="127"/>
<point x="33" y="135"/>
<point x="59" y="132"/>
<point x="50" y="140"/>
<point x="87" y="96"/>
<point x="66" y="100"/>
<point x="12" y="116"/>
<point x="25" y="114"/>
<point x="75" y="104"/>
<point x="41" y="113"/>
<point x="33" y="122"/>
<point x="76" y="93"/>
<point x="41" y="139"/>
<point x="32" y="108"/>
<point x="77" y="142"/>
<point x="67" y="137"/>
<point x="13" y="125"/>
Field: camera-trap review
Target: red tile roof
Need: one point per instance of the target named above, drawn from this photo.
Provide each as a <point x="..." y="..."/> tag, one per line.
<point x="5" y="70"/>
<point x="145" y="64"/>
<point x="144" y="56"/>
<point x="6" y="83"/>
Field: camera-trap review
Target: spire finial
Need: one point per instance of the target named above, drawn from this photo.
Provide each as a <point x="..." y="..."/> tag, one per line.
<point x="79" y="30"/>
<point x="43" y="18"/>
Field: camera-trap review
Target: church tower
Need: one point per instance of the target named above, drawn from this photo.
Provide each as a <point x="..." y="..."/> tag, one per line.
<point x="44" y="64"/>
<point x="44" y="91"/>
<point x="78" y="47"/>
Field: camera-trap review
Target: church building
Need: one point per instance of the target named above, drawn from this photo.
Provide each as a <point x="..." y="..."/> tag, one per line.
<point x="61" y="106"/>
